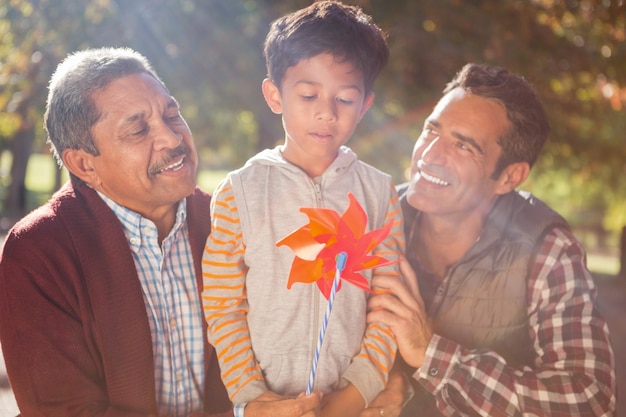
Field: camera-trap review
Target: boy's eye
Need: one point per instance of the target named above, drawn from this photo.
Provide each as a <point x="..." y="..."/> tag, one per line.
<point x="345" y="100"/>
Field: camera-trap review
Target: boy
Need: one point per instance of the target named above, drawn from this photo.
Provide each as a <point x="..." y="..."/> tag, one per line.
<point x="322" y="62"/>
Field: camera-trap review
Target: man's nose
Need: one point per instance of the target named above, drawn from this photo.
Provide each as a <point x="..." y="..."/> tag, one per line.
<point x="166" y="137"/>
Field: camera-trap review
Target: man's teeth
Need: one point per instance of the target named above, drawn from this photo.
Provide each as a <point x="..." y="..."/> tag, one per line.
<point x="432" y="179"/>
<point x="175" y="166"/>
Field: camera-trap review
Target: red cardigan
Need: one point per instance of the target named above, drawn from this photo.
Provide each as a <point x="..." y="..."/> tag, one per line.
<point x="73" y="324"/>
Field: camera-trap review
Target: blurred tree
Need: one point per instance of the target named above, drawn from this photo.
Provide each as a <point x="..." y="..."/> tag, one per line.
<point x="34" y="36"/>
<point x="209" y="53"/>
<point x="572" y="51"/>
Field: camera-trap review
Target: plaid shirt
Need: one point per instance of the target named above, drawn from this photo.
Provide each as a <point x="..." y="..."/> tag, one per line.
<point x="574" y="369"/>
<point x="166" y="273"/>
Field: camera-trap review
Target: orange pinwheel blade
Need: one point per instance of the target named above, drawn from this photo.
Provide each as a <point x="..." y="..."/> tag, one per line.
<point x="306" y="272"/>
<point x="355" y="217"/>
<point x="302" y="243"/>
<point x="322" y="221"/>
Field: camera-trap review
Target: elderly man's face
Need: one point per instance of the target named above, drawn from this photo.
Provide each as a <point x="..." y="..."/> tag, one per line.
<point x="147" y="159"/>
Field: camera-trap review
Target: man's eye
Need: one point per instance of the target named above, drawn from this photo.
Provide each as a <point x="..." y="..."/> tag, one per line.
<point x="140" y="132"/>
<point x="464" y="146"/>
<point x="429" y="133"/>
<point x="173" y="119"/>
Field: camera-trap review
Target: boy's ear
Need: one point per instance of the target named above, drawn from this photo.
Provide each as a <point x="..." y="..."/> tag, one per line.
<point x="80" y="163"/>
<point x="512" y="176"/>
<point x="272" y="96"/>
<point x="366" y="105"/>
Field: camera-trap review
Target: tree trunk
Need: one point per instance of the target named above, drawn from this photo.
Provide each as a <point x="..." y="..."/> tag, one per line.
<point x="15" y="203"/>
<point x="622" y="253"/>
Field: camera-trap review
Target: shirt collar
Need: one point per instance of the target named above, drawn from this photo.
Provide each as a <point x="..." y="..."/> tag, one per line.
<point x="138" y="228"/>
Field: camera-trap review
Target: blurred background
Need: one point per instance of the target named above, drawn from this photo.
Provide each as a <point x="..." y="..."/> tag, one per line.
<point x="209" y="53"/>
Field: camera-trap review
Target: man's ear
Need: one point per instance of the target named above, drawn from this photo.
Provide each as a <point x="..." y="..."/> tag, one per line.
<point x="366" y="105"/>
<point x="512" y="176"/>
<point x="80" y="163"/>
<point x="272" y="96"/>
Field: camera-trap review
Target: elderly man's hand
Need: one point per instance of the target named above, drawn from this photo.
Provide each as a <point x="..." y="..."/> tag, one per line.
<point x="269" y="404"/>
<point x="400" y="307"/>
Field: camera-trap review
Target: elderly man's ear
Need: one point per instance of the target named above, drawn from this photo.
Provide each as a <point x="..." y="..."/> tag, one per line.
<point x="80" y="163"/>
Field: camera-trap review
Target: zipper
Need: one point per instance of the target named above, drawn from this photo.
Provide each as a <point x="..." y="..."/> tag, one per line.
<point x="317" y="190"/>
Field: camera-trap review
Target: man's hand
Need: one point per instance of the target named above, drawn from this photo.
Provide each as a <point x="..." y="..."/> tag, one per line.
<point x="390" y="400"/>
<point x="269" y="404"/>
<point x="400" y="306"/>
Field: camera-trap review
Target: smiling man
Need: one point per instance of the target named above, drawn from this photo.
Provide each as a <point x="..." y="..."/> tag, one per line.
<point x="505" y="320"/>
<point x="99" y="288"/>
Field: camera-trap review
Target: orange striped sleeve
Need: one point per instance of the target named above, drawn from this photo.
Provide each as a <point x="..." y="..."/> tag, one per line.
<point x="223" y="295"/>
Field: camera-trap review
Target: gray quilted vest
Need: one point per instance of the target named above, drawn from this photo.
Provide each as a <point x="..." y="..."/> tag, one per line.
<point x="482" y="302"/>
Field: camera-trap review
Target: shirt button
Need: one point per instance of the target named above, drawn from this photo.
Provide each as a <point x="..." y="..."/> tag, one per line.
<point x="433" y="372"/>
<point x="172" y="323"/>
<point x="133" y="240"/>
<point x="179" y="377"/>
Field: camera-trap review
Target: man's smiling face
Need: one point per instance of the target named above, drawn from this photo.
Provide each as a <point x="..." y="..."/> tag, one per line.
<point x="147" y="159"/>
<point x="456" y="154"/>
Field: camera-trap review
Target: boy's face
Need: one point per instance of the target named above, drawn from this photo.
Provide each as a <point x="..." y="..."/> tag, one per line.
<point x="321" y="101"/>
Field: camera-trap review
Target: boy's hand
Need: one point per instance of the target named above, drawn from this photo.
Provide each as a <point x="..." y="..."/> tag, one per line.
<point x="346" y="402"/>
<point x="270" y="404"/>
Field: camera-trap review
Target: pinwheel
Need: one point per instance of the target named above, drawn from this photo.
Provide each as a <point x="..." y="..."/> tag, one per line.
<point x="332" y="248"/>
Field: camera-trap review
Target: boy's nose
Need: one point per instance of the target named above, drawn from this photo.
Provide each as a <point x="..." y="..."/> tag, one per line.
<point x="327" y="110"/>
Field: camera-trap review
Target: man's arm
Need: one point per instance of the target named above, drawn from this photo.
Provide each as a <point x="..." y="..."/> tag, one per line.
<point x="573" y="373"/>
<point x="53" y="360"/>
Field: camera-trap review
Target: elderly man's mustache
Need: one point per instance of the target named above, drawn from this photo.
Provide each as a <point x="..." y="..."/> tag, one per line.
<point x="172" y="156"/>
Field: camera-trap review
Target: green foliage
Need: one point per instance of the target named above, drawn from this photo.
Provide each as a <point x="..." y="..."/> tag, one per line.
<point x="209" y="179"/>
<point x="210" y="56"/>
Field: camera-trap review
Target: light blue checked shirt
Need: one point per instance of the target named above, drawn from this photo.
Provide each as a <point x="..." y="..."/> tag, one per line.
<point x="173" y="305"/>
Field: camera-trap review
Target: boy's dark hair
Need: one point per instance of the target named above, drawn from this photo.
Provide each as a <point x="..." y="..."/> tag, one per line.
<point x="529" y="123"/>
<point x="326" y="27"/>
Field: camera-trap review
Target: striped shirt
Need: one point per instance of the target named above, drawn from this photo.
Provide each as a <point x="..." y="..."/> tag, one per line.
<point x="574" y="370"/>
<point x="168" y="283"/>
